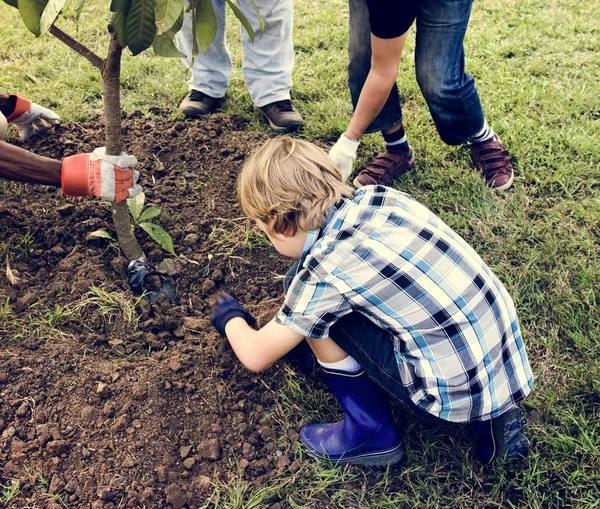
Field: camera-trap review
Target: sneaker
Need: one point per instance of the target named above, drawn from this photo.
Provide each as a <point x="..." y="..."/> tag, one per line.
<point x="198" y="104"/>
<point x="282" y="116"/>
<point x="384" y="168"/>
<point x="502" y="437"/>
<point x="490" y="158"/>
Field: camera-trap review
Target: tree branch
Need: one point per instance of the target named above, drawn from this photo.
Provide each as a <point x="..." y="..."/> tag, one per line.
<point x="95" y="60"/>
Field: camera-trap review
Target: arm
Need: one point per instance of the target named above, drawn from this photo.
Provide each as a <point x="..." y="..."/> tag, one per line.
<point x="22" y="166"/>
<point x="385" y="61"/>
<point x="259" y="349"/>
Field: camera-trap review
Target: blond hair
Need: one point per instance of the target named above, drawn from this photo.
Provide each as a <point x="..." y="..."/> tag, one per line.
<point x="291" y="181"/>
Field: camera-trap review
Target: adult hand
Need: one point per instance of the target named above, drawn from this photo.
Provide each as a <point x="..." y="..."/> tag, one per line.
<point x="226" y="308"/>
<point x="107" y="177"/>
<point x="28" y="117"/>
<point x="343" y="155"/>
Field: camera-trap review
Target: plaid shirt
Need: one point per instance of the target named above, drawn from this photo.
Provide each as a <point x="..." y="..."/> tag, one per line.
<point x="454" y="326"/>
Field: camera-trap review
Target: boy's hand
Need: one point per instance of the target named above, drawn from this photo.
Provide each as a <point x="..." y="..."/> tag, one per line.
<point x="226" y="308"/>
<point x="343" y="155"/>
<point x="109" y="178"/>
<point x="28" y="117"/>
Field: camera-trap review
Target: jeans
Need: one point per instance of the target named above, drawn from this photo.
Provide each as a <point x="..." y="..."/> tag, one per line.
<point x="450" y="93"/>
<point x="267" y="63"/>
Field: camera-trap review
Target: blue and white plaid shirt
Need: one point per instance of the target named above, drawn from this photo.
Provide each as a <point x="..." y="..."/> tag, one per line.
<point x="454" y="326"/>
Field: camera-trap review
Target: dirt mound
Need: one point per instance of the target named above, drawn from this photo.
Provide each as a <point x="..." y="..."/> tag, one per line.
<point x="109" y="402"/>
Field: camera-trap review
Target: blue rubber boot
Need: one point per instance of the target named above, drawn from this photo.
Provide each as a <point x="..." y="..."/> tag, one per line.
<point x="367" y="435"/>
<point x="501" y="437"/>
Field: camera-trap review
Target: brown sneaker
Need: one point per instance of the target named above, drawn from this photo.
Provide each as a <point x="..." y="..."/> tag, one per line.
<point x="282" y="116"/>
<point x="384" y="168"/>
<point x="197" y="104"/>
<point x="490" y="158"/>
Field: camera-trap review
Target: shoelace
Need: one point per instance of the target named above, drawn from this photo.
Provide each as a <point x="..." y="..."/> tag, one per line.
<point x="285" y="105"/>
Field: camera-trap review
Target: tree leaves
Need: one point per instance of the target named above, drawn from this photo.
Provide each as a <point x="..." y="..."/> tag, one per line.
<point x="160" y="236"/>
<point x="205" y="23"/>
<point x="140" y="25"/>
<point x="167" y="13"/>
<point x="50" y="13"/>
<point x="31" y="12"/>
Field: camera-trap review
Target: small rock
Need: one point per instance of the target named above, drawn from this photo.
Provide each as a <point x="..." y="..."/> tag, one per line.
<point x="169" y="266"/>
<point x="174" y="364"/>
<point x="162" y="473"/>
<point x="193" y="323"/>
<point x="191" y="239"/>
<point x="203" y="483"/>
<point x="57" y="447"/>
<point x="56" y="484"/>
<point x="184" y="451"/>
<point x="189" y="463"/>
<point x="209" y="449"/>
<point x="176" y="496"/>
<point x="102" y="389"/>
<point x="208" y="286"/>
<point x="89" y="413"/>
<point x="23" y="410"/>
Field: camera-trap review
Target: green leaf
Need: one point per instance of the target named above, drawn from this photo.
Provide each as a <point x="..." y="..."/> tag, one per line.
<point x="12" y="3"/>
<point x="205" y="23"/>
<point x="164" y="46"/>
<point x="160" y="236"/>
<point x="149" y="213"/>
<point x="243" y="19"/>
<point x="167" y="13"/>
<point x="117" y="5"/>
<point x="50" y="13"/>
<point x="261" y="20"/>
<point x="140" y="25"/>
<point x="31" y="11"/>
<point x="78" y="10"/>
<point x="118" y="24"/>
<point x="99" y="234"/>
<point x="136" y="206"/>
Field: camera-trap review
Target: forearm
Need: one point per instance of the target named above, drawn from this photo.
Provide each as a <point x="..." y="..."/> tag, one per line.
<point x="259" y="349"/>
<point x="385" y="61"/>
<point x="20" y="165"/>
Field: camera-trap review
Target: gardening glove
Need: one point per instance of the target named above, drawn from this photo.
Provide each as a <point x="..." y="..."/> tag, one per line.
<point x="29" y="117"/>
<point x="226" y="308"/>
<point x="343" y="155"/>
<point x="107" y="177"/>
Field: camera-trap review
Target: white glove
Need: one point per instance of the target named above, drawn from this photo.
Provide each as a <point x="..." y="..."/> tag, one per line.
<point x="29" y="118"/>
<point x="343" y="155"/>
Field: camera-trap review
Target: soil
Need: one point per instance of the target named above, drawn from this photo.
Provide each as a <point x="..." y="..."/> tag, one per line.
<point x="107" y="414"/>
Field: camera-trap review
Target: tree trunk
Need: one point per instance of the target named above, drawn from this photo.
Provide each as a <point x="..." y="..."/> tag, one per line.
<point x="111" y="87"/>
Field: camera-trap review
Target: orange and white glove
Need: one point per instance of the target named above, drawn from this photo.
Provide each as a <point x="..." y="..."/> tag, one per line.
<point x="109" y="178"/>
<point x="29" y="118"/>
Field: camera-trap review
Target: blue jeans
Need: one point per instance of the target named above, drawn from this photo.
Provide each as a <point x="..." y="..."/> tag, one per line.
<point x="449" y="91"/>
<point x="267" y="64"/>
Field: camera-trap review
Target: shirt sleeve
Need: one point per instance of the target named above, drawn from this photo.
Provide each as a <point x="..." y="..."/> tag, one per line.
<point x="312" y="306"/>
<point x="391" y="18"/>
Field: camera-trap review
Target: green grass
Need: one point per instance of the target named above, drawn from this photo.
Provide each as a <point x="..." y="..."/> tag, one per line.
<point x="538" y="73"/>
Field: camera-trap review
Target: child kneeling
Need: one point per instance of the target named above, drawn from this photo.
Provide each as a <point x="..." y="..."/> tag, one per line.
<point x="391" y="301"/>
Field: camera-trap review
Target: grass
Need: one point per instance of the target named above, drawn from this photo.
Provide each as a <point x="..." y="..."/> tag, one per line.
<point x="537" y="70"/>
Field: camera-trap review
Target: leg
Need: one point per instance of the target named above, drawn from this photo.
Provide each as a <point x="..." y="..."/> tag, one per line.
<point x="210" y="71"/>
<point x="359" y="64"/>
<point x="439" y="59"/>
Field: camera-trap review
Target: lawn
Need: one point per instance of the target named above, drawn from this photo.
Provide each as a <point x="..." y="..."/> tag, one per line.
<point x="537" y="69"/>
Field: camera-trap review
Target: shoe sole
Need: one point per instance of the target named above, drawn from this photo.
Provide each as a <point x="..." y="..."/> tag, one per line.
<point x="504" y="187"/>
<point x="514" y="443"/>
<point x="292" y="128"/>
<point x="375" y="459"/>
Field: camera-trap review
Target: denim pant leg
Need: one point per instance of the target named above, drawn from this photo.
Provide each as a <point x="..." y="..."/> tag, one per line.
<point x="359" y="65"/>
<point x="373" y="348"/>
<point x="269" y="60"/>
<point x="450" y="93"/>
<point x="210" y="71"/>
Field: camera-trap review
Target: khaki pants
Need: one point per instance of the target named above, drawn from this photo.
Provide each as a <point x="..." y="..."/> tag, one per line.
<point x="3" y="126"/>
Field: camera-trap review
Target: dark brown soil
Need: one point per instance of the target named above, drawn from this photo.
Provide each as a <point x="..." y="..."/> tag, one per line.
<point x="110" y="415"/>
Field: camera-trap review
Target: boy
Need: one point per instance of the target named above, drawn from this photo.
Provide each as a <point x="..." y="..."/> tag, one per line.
<point x="388" y="297"/>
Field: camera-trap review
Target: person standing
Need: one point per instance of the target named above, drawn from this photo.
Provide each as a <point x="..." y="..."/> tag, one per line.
<point x="267" y="64"/>
<point x="378" y="31"/>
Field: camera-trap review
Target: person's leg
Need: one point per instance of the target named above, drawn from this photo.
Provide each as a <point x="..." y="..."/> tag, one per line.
<point x="210" y="71"/>
<point x="269" y="61"/>
<point x="450" y="92"/>
<point x="367" y="435"/>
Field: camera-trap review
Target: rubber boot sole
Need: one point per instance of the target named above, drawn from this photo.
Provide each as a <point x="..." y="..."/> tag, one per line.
<point x="375" y="459"/>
